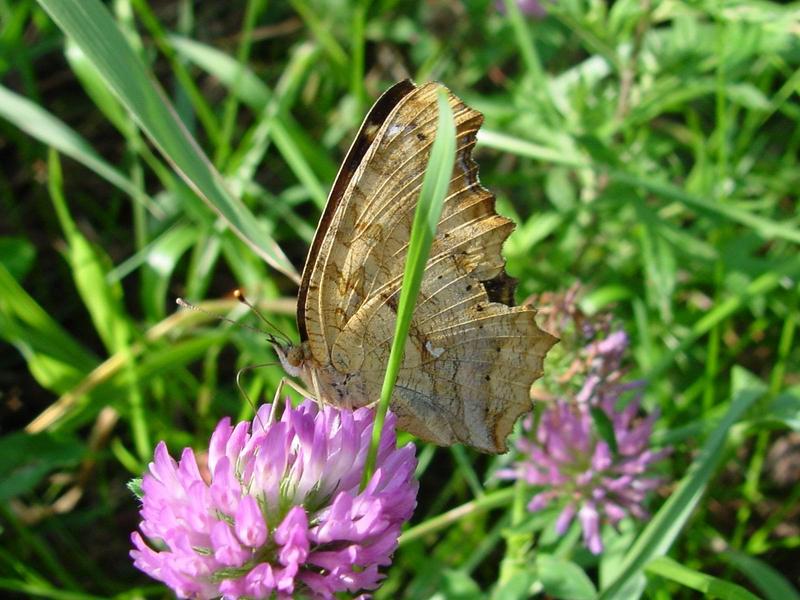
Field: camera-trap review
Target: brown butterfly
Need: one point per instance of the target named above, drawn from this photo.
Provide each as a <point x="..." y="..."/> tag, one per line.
<point x="471" y="356"/>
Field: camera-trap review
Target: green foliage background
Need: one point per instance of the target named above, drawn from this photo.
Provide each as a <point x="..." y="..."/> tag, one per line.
<point x="648" y="150"/>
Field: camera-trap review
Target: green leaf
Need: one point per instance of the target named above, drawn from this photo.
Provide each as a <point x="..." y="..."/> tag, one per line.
<point x="771" y="583"/>
<point x="665" y="526"/>
<point x="749" y="96"/>
<point x="564" y="579"/>
<point x="710" y="586"/>
<point x="91" y="27"/>
<point x="785" y="409"/>
<point x="55" y="359"/>
<point x="458" y="585"/>
<point x="162" y="258"/>
<point x="559" y="190"/>
<point x="135" y="487"/>
<point x="17" y="255"/>
<point x="96" y="88"/>
<point x="516" y="587"/>
<point x="535" y="229"/>
<point x="602" y="297"/>
<point x="604" y="427"/>
<point x="27" y="459"/>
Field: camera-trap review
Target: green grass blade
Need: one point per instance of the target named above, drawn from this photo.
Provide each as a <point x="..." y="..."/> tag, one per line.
<point x="188" y="93"/>
<point x="51" y="367"/>
<point x="323" y="33"/>
<point x="249" y="156"/>
<point x="435" y="185"/>
<point x="34" y="331"/>
<point x="769" y="581"/>
<point x="662" y="530"/>
<point x="764" y="284"/>
<point x="89" y="267"/>
<point x="43" y="126"/>
<point x="295" y="145"/>
<point x="95" y="32"/>
<point x="252" y="10"/>
<point x="712" y="587"/>
<point x="767" y="228"/>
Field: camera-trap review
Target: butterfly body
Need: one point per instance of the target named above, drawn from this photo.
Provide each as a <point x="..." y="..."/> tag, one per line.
<point x="470" y="356"/>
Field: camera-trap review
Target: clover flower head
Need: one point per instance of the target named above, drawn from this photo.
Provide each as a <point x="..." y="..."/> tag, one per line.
<point x="578" y="471"/>
<point x="281" y="512"/>
<point x="564" y="454"/>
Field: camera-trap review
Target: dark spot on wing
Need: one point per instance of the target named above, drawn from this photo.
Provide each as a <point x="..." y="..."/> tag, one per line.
<point x="501" y="288"/>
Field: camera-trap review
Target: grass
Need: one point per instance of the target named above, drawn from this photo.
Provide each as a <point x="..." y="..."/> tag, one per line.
<point x="646" y="150"/>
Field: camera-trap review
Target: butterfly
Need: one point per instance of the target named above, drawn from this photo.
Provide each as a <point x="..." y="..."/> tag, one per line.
<point x="471" y="356"/>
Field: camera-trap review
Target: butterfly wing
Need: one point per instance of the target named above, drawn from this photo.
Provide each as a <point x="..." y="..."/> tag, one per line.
<point x="470" y="358"/>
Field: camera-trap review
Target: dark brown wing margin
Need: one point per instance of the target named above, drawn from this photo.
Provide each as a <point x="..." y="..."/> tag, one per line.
<point x="380" y="110"/>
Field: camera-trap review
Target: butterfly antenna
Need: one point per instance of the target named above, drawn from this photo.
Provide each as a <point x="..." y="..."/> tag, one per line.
<point x="184" y="304"/>
<point x="188" y="305"/>
<point x="242" y="391"/>
<point x="245" y="394"/>
<point x="241" y="298"/>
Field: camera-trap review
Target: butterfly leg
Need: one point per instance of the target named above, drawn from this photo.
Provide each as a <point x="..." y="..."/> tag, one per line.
<point x="295" y="386"/>
<point x="316" y="395"/>
<point x="276" y="399"/>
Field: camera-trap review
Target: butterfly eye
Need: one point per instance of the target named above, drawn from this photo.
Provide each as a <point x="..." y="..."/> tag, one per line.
<point x="295" y="356"/>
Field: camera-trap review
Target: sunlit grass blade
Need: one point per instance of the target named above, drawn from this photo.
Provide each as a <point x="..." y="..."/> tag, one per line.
<point x="95" y="32"/>
<point x="102" y="299"/>
<point x="153" y="361"/>
<point x="435" y="185"/>
<point x="662" y="530"/>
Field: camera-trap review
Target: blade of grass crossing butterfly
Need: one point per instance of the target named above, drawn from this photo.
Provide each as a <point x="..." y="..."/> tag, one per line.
<point x="435" y="185"/>
<point x="93" y="29"/>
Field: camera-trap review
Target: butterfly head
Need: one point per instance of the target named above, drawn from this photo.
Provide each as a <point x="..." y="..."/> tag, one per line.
<point x="292" y="356"/>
